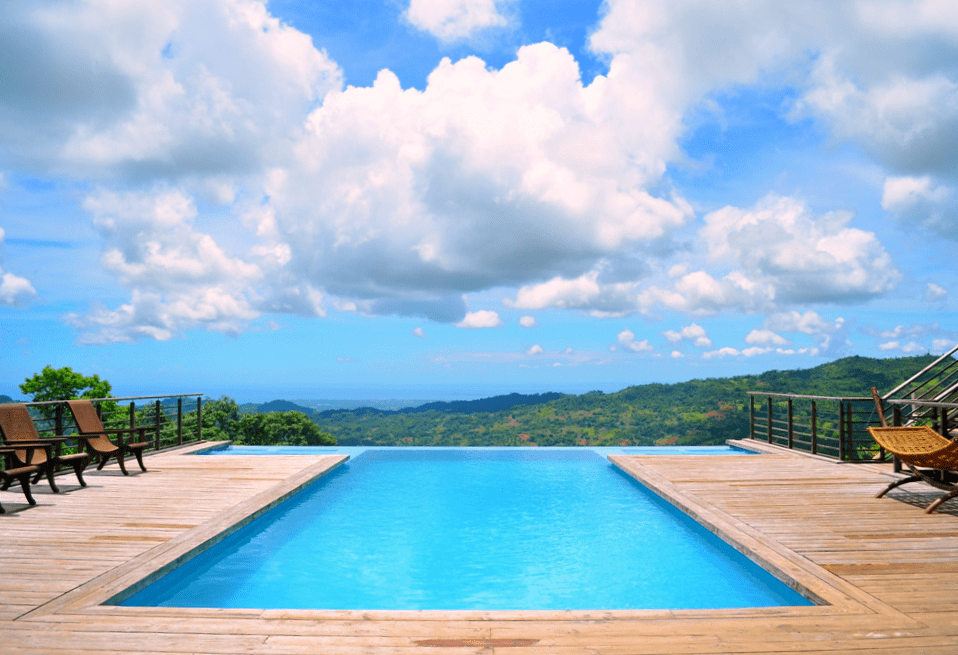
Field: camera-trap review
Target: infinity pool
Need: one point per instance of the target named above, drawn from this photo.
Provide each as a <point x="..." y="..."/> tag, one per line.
<point x="487" y="529"/>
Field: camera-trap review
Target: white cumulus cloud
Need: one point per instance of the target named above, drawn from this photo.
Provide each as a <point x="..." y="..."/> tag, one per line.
<point x="15" y="291"/>
<point x="627" y="340"/>
<point x="483" y="318"/>
<point x="935" y="292"/>
<point x="694" y="333"/>
<point x="233" y="175"/>
<point x="920" y="200"/>
<point x="765" y="338"/>
<point x="450" y="20"/>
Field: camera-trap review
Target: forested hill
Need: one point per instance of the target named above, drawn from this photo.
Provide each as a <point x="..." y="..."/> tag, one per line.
<point x="483" y="405"/>
<point x="493" y="404"/>
<point x="696" y="412"/>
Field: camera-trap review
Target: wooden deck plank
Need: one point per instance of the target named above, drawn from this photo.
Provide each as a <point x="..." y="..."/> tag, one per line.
<point x="890" y="569"/>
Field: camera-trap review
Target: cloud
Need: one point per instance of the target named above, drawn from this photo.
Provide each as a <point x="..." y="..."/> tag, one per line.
<point x="180" y="278"/>
<point x="808" y="322"/>
<point x="831" y="335"/>
<point x="907" y="348"/>
<point x="934" y="292"/>
<point x="943" y="345"/>
<point x="627" y="340"/>
<point x="451" y="20"/>
<point x="803" y="257"/>
<point x="535" y="350"/>
<point x="732" y="352"/>
<point x="585" y="292"/>
<point x="694" y="333"/>
<point x="233" y="174"/>
<point x="15" y="291"/>
<point x="919" y="200"/>
<point x="419" y="332"/>
<point x="483" y="179"/>
<point x="144" y="90"/>
<point x="765" y="338"/>
<point x="480" y="319"/>
<point x="528" y="321"/>
<point x="914" y="338"/>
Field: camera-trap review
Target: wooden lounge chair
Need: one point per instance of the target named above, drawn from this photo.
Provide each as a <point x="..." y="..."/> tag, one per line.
<point x="930" y="457"/>
<point x="18" y="429"/>
<point x="21" y="474"/>
<point x="91" y="429"/>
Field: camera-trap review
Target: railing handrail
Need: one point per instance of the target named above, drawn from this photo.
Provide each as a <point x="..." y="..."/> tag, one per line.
<point x="114" y="398"/>
<point x="893" y="401"/>
<point x="805" y="396"/>
<point x="920" y="403"/>
<point x="920" y="373"/>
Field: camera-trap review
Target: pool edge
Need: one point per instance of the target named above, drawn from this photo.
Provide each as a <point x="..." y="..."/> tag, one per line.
<point x="796" y="571"/>
<point x="114" y="586"/>
<point x="839" y="596"/>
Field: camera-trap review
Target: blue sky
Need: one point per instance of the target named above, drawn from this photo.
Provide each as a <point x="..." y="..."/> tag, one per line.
<point x="456" y="198"/>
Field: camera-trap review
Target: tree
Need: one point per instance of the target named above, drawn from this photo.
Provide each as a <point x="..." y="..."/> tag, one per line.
<point x="63" y="384"/>
<point x="282" y="428"/>
<point x="221" y="419"/>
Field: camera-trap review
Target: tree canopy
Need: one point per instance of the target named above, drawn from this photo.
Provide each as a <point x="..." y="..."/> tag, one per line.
<point x="64" y="384"/>
<point x="281" y="428"/>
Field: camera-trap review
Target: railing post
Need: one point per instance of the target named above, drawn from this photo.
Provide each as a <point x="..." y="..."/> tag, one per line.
<point x="944" y="423"/>
<point x="841" y="430"/>
<point x="814" y="428"/>
<point x="896" y="421"/>
<point x="751" y="417"/>
<point x="199" y="418"/>
<point x="132" y="416"/>
<point x="791" y="431"/>
<point x="770" y="419"/>
<point x="850" y="432"/>
<point x="156" y="422"/>
<point x="58" y="431"/>
<point x="179" y="421"/>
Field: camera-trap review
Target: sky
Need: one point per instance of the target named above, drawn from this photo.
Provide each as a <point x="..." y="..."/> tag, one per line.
<point x="458" y="198"/>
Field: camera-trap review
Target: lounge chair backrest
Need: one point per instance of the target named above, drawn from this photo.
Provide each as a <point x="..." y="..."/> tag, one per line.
<point x="17" y="425"/>
<point x="88" y="422"/>
<point x="880" y="407"/>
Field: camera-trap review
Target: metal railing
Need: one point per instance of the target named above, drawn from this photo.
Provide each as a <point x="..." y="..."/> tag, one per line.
<point x="940" y="378"/>
<point x="172" y="420"/>
<point x="837" y="427"/>
<point x="823" y="425"/>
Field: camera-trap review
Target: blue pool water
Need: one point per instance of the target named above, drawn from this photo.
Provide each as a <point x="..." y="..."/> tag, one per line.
<point x="489" y="529"/>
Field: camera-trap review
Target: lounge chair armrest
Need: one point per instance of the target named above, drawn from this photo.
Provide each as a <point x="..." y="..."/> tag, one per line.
<point x="140" y="428"/>
<point x="52" y="441"/>
<point x="28" y="446"/>
<point x="118" y="433"/>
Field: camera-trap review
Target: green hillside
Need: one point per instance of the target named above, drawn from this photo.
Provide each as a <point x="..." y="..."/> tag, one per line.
<point x="696" y="412"/>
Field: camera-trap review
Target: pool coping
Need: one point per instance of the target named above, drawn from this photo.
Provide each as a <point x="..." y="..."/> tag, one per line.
<point x="834" y="595"/>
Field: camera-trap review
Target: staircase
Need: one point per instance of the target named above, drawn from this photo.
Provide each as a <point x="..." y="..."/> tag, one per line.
<point x="935" y="386"/>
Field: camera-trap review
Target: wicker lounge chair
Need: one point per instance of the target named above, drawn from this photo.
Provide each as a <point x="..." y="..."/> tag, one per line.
<point x="930" y="457"/>
<point x="21" y="474"/>
<point x="18" y="429"/>
<point x="91" y="429"/>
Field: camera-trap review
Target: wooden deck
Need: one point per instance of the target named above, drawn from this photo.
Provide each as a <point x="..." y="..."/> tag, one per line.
<point x="888" y="571"/>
